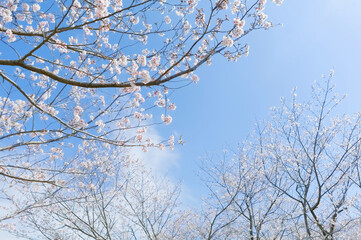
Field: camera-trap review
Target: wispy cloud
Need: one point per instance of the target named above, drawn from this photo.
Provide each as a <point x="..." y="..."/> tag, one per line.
<point x="159" y="161"/>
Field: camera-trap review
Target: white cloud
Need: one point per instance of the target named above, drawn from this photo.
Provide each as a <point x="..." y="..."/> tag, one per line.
<point x="160" y="161"/>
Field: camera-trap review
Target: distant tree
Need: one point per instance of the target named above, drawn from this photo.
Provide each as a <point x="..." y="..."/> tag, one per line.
<point x="111" y="197"/>
<point x="296" y="178"/>
<point x="241" y="204"/>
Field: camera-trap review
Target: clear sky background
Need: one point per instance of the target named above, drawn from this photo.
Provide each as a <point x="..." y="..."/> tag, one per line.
<point x="223" y="107"/>
<point x="219" y="111"/>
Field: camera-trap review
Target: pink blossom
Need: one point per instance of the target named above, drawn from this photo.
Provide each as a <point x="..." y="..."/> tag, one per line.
<point x="125" y="120"/>
<point x="186" y="27"/>
<point x="123" y="61"/>
<point x="171" y="139"/>
<point x="20" y="17"/>
<point x="246" y="50"/>
<point x="227" y="41"/>
<point x="29" y="29"/>
<point x="100" y="123"/>
<point x="101" y="9"/>
<point x="138" y="115"/>
<point x="77" y="110"/>
<point x="6" y="15"/>
<point x="222" y="4"/>
<point x="262" y="17"/>
<point x="166" y="119"/>
<point x="160" y="103"/>
<point x="154" y="62"/>
<point x="237" y="32"/>
<point x="267" y="24"/>
<point x="142" y="130"/>
<point x="87" y="30"/>
<point x="25" y="7"/>
<point x="194" y="78"/>
<point x="10" y="35"/>
<point x="11" y="6"/>
<point x="238" y="22"/>
<point x="77" y="4"/>
<point x="118" y="4"/>
<point x="142" y="60"/>
<point x="278" y="2"/>
<point x="171" y="106"/>
<point x="167" y="20"/>
<point x="134" y="20"/>
<point x="145" y="75"/>
<point x="139" y="137"/>
<point x="35" y="7"/>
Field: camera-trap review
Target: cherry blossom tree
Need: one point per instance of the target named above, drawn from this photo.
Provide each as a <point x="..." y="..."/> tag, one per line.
<point x="111" y="197"/>
<point x="77" y="73"/>
<point x="241" y="204"/>
<point x="98" y="70"/>
<point x="315" y="157"/>
<point x="297" y="177"/>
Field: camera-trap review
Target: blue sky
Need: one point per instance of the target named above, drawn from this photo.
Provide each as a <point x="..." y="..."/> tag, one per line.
<point x="222" y="108"/>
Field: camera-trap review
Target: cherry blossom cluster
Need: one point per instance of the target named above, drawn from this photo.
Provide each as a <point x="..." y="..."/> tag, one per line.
<point x="79" y="71"/>
<point x="304" y="158"/>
